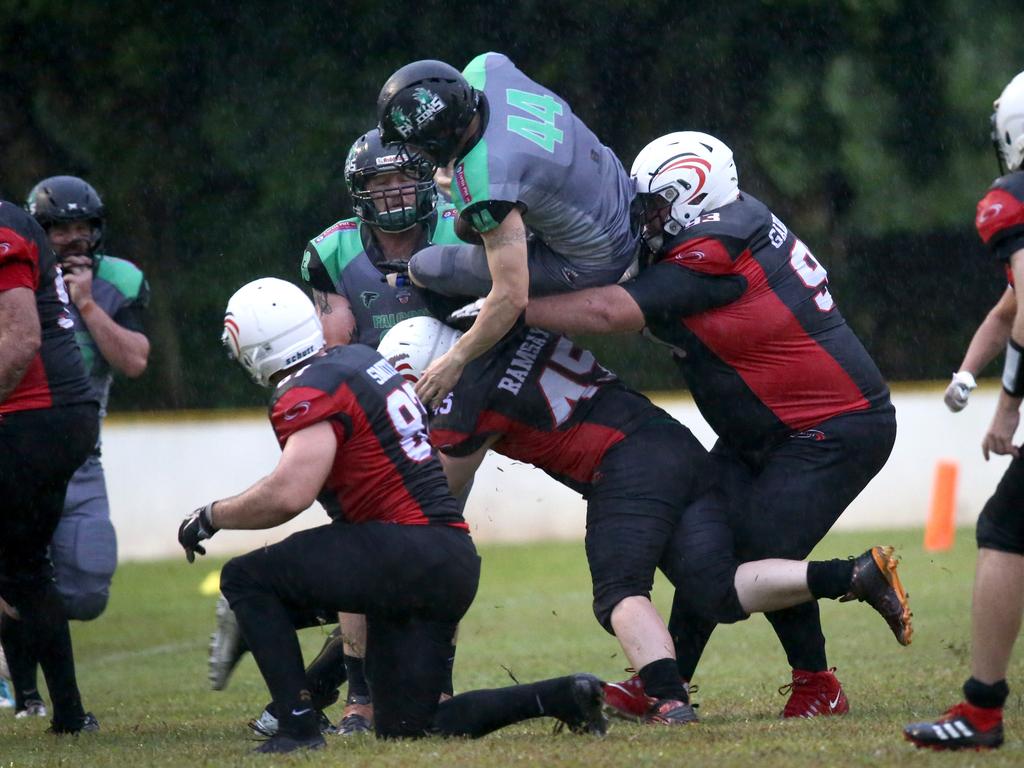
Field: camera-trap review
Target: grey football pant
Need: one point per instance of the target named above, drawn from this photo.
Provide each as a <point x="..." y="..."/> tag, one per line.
<point x="461" y="270"/>
<point x="84" y="546"/>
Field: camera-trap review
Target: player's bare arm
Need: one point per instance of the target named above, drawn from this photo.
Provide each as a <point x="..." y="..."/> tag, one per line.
<point x="291" y="488"/>
<point x="336" y="317"/>
<point x="607" y="309"/>
<point x="126" y="350"/>
<point x="999" y="438"/>
<point x="991" y="337"/>
<point x="460" y="469"/>
<point x="20" y="336"/>
<point x="506" y="259"/>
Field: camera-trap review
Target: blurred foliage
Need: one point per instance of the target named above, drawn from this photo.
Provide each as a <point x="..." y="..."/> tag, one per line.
<point x="216" y="135"/>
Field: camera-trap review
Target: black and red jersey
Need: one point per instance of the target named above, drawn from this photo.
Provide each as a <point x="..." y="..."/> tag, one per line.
<point x="1000" y="218"/>
<point x="551" y="402"/>
<point x="777" y="360"/>
<point x="384" y="469"/>
<point x="56" y="376"/>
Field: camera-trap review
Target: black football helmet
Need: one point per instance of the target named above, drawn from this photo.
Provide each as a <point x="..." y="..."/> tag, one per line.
<point x="67" y="198"/>
<point x="427" y="104"/>
<point x="388" y="207"/>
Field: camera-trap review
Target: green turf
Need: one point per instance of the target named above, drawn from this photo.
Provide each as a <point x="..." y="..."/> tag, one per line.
<point x="142" y="668"/>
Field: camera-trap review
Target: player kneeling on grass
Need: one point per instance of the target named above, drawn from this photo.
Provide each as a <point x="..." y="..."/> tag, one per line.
<point x="353" y="435"/>
<point x="653" y="500"/>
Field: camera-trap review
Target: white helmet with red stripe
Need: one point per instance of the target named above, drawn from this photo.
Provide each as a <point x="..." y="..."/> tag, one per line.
<point x="413" y="344"/>
<point x="1008" y="124"/>
<point x="680" y="175"/>
<point x="270" y="325"/>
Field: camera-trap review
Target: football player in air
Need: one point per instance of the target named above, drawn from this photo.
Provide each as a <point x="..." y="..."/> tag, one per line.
<point x="48" y="426"/>
<point x="537" y="398"/>
<point x="353" y="435"/>
<point x="397" y="214"/>
<point x="108" y="301"/>
<point x="802" y="413"/>
<point x="998" y="604"/>
<point x="547" y="201"/>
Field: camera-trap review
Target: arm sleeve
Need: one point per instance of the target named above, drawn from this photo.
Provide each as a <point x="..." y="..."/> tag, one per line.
<point x="315" y="273"/>
<point x="671" y="290"/>
<point x="1008" y="245"/>
<point x="487" y="214"/>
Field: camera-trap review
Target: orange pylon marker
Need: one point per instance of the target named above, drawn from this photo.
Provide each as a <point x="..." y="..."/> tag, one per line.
<point x="941" y="528"/>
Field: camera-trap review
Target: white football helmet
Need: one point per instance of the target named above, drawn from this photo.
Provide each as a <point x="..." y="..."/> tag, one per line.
<point x="1008" y="124"/>
<point x="271" y="325"/>
<point x="413" y="344"/>
<point x="678" y="176"/>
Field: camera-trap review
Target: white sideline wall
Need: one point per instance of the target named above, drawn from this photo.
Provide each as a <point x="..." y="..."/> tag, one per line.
<point x="161" y="467"/>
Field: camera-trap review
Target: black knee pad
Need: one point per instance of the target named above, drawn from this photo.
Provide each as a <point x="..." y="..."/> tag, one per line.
<point x="1001" y="525"/>
<point x="236" y="581"/>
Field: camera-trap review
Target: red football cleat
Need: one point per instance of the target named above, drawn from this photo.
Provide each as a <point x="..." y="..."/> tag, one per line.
<point x="814" y="694"/>
<point x="627" y="699"/>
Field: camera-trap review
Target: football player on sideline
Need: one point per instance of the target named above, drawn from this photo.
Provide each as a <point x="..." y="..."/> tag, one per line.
<point x="48" y="425"/>
<point x="802" y="414"/>
<point x="652" y="497"/>
<point x="998" y="604"/>
<point x="353" y="435"/>
<point x="108" y="300"/>
<point x="548" y="201"/>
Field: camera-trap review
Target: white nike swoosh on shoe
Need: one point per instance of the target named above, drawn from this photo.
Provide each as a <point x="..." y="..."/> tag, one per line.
<point x="835" y="702"/>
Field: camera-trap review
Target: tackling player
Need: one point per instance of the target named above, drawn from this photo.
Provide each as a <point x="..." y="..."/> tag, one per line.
<point x="652" y="497"/>
<point x="48" y="425"/>
<point x="549" y="202"/>
<point x="346" y="266"/>
<point x="353" y="435"/>
<point x="108" y="298"/>
<point x="802" y="414"/>
<point x="977" y="722"/>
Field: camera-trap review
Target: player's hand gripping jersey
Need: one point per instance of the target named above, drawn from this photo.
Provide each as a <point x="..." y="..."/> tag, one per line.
<point x="777" y="360"/>
<point x="534" y="151"/>
<point x="1000" y="218"/>
<point x="555" y="406"/>
<point x="339" y="260"/>
<point x="366" y="402"/>
<point x="56" y="376"/>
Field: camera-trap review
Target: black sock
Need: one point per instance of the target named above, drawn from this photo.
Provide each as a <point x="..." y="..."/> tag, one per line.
<point x="662" y="681"/>
<point x="829" y="578"/>
<point x="449" y="685"/>
<point x="357" y="685"/>
<point x="21" y="660"/>
<point x="46" y="626"/>
<point x="299" y="719"/>
<point x="326" y="672"/>
<point x="799" y="631"/>
<point x="478" y="713"/>
<point x="983" y="695"/>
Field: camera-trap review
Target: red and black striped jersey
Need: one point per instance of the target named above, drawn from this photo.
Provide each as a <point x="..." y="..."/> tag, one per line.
<point x="56" y="376"/>
<point x="777" y="360"/>
<point x="551" y="402"/>
<point x="1000" y="218"/>
<point x="384" y="469"/>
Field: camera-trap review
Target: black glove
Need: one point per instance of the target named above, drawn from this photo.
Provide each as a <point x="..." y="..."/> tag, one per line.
<point x="195" y="528"/>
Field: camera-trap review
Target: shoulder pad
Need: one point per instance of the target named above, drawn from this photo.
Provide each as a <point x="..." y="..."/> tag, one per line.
<point x="121" y="273"/>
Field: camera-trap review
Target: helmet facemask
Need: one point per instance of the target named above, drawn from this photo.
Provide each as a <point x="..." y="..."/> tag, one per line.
<point x="397" y="207"/>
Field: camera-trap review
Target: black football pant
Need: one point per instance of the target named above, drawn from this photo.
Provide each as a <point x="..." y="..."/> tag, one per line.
<point x="656" y="504"/>
<point x="781" y="504"/>
<point x="39" y="451"/>
<point x="413" y="583"/>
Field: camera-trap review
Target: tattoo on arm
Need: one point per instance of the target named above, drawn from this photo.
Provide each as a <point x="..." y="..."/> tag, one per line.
<point x="322" y="302"/>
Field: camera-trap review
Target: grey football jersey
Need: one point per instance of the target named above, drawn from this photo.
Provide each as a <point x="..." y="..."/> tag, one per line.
<point x="536" y="152"/>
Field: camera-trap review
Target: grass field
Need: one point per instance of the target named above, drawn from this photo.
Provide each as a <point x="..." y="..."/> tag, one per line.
<point x="142" y="669"/>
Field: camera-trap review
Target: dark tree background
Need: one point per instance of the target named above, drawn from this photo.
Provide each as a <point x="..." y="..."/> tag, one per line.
<point x="216" y="136"/>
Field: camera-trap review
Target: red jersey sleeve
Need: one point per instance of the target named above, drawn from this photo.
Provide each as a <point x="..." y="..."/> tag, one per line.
<point x="1000" y="222"/>
<point x="19" y="261"/>
<point x="302" y="407"/>
<point x="707" y="255"/>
